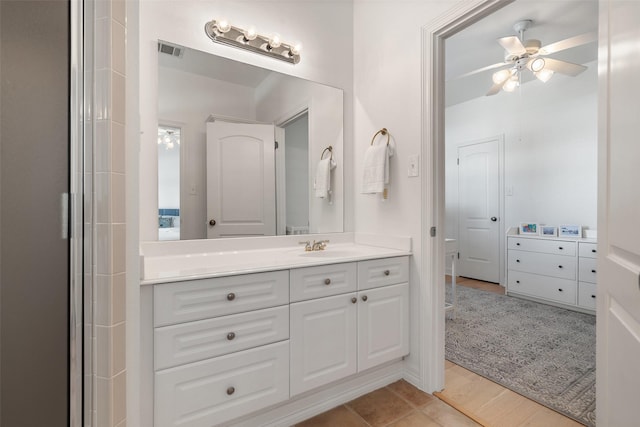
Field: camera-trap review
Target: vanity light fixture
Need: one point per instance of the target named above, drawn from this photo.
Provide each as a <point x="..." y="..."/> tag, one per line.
<point x="221" y="31"/>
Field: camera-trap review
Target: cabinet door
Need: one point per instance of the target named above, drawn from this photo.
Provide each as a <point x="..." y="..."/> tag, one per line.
<point x="383" y="325"/>
<point x="323" y="341"/>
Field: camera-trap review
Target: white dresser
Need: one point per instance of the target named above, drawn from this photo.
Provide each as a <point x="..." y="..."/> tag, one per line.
<point x="558" y="271"/>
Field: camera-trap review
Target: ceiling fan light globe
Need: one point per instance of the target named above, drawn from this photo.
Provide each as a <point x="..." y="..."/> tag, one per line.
<point x="544" y="75"/>
<point x="501" y="76"/>
<point x="537" y="65"/>
<point x="511" y="84"/>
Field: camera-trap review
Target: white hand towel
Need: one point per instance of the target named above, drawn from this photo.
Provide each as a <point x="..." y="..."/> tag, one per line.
<point x="322" y="184"/>
<point x="376" y="169"/>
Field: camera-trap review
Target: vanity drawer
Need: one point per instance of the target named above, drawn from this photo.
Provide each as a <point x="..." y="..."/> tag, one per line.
<point x="587" y="270"/>
<point x="560" y="266"/>
<point x="587" y="295"/>
<point x="382" y="272"/>
<point x="539" y="245"/>
<point x="588" y="250"/>
<point x="322" y="281"/>
<point x="549" y="288"/>
<point x="189" y="342"/>
<point x="200" y="299"/>
<point x="216" y="390"/>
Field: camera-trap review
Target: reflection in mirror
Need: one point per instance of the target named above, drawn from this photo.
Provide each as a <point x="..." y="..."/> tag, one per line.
<point x="235" y="182"/>
<point x="168" y="183"/>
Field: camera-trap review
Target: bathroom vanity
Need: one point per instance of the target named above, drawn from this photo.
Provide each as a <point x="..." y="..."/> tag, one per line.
<point x="229" y="333"/>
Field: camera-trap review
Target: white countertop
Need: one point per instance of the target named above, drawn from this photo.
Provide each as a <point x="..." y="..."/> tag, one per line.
<point x="158" y="267"/>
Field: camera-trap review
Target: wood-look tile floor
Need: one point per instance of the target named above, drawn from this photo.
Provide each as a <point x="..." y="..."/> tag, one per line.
<point x="471" y="400"/>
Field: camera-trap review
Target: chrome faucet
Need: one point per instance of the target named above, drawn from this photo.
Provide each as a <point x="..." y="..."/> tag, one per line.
<point x="315" y="246"/>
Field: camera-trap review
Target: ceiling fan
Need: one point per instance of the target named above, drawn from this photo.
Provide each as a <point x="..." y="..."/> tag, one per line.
<point x="529" y="54"/>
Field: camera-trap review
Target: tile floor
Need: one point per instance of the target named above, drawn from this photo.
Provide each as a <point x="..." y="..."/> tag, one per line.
<point x="397" y="405"/>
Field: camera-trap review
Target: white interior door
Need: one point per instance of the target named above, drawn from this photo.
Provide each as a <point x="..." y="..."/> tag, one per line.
<point x="618" y="294"/>
<point x="479" y="210"/>
<point x="240" y="180"/>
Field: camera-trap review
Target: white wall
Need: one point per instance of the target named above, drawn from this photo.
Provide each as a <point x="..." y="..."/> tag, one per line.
<point x="550" y="134"/>
<point x="326" y="58"/>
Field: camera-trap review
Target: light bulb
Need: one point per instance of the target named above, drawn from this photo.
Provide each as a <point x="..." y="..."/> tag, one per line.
<point x="296" y="48"/>
<point x="511" y="84"/>
<point x="544" y="75"/>
<point x="275" y="41"/>
<point x="170" y="145"/>
<point x="501" y="76"/>
<point x="250" y="33"/>
<point x="159" y="140"/>
<point x="223" y="25"/>
<point x="167" y="139"/>
<point x="536" y="65"/>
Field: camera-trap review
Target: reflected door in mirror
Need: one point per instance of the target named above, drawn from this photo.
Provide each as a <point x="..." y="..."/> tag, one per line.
<point x="240" y="180"/>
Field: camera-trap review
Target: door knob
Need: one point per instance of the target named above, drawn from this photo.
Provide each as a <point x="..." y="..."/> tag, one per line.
<point x="212" y="222"/>
<point x="494" y="219"/>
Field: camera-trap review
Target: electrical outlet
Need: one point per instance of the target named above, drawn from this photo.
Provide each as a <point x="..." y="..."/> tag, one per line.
<point x="414" y="165"/>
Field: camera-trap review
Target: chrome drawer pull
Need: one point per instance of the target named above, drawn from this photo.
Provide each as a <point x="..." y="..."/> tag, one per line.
<point x="327" y="281"/>
<point x="231" y="296"/>
<point x="386" y="272"/>
<point x="231" y="390"/>
<point x="231" y="336"/>
<point x="364" y="298"/>
<point x="354" y="300"/>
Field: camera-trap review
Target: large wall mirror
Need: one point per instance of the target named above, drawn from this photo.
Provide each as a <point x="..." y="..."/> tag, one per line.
<point x="248" y="147"/>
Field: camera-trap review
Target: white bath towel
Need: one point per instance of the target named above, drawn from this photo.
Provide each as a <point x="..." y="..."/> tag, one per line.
<point x="376" y="168"/>
<point x="322" y="183"/>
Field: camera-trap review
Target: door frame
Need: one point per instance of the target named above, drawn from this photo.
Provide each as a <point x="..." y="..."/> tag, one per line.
<point x="502" y="238"/>
<point x="432" y="316"/>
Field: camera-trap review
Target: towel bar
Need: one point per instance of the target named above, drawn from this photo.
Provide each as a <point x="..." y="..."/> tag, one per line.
<point x="330" y="149"/>
<point x="382" y="131"/>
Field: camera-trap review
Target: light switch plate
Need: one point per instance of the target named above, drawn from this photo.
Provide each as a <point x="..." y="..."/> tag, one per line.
<point x="414" y="165"/>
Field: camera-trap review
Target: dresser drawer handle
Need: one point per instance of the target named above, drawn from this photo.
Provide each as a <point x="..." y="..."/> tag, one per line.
<point x="231" y="296"/>
<point x="231" y="336"/>
<point x="593" y="251"/>
<point x="517" y="244"/>
<point x="517" y="281"/>
<point x="231" y="390"/>
<point x="364" y="298"/>
<point x="559" y="289"/>
<point x="327" y="281"/>
<point x="593" y="296"/>
<point x="354" y="300"/>
<point x="593" y="271"/>
<point x="559" y="266"/>
<point x="517" y="260"/>
<point x="560" y="248"/>
<point x="387" y="272"/>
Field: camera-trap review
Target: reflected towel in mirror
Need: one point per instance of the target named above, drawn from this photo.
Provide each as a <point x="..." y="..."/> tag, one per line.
<point x="322" y="183"/>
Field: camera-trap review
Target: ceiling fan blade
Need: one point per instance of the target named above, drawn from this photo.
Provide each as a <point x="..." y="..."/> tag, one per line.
<point x="563" y="67"/>
<point x="480" y="70"/>
<point x="513" y="45"/>
<point x="568" y="43"/>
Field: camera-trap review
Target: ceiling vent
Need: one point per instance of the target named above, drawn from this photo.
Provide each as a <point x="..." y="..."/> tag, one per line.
<point x="169" y="49"/>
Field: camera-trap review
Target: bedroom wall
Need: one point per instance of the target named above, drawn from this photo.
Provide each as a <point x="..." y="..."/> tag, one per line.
<point x="550" y="138"/>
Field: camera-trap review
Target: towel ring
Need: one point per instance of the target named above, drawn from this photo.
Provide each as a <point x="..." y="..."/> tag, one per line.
<point x="382" y="131"/>
<point x="330" y="149"/>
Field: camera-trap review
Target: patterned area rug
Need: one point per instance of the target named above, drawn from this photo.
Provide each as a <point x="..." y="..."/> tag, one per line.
<point x="543" y="352"/>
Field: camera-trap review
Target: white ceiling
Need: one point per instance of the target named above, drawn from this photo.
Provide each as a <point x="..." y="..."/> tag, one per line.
<point x="476" y="46"/>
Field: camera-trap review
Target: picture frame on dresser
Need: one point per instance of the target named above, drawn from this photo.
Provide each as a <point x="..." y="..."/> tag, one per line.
<point x="528" y="228"/>
<point x="574" y="231"/>
<point x="548" y="231"/>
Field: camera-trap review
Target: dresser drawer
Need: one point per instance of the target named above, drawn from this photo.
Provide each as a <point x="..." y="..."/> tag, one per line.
<point x="200" y="299"/>
<point x="589" y="250"/>
<point x="540" y="245"/>
<point x="587" y="295"/>
<point x="560" y="266"/>
<point x="549" y="288"/>
<point x="587" y="269"/>
<point x="216" y="390"/>
<point x="322" y="281"/>
<point x="189" y="342"/>
<point x="382" y="272"/>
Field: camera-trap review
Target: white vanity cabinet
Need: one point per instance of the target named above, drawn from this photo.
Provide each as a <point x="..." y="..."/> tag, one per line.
<point x="551" y="270"/>
<point x="339" y="335"/>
